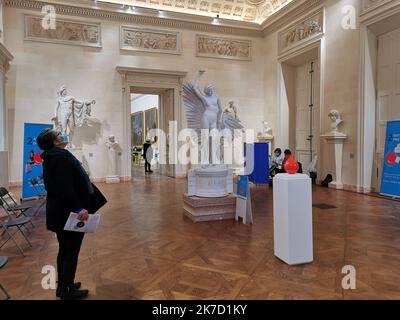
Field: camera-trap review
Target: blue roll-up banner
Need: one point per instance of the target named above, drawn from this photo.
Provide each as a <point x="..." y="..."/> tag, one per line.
<point x="390" y="184"/>
<point x="32" y="161"/>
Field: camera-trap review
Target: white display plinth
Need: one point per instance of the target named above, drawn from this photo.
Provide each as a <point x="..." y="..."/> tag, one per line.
<point x="293" y="236"/>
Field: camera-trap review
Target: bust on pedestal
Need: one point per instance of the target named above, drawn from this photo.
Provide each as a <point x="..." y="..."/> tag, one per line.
<point x="266" y="135"/>
<point x="336" y="138"/>
<point x="112" y="146"/>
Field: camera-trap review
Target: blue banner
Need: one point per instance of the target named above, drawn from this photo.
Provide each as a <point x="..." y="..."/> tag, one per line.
<point x="32" y="160"/>
<point x="242" y="186"/>
<point x="391" y="161"/>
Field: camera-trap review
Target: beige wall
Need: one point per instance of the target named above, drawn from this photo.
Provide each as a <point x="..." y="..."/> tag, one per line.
<point x="340" y="65"/>
<point x="39" y="69"/>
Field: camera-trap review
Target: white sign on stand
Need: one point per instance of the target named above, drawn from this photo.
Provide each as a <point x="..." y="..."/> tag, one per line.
<point x="243" y="200"/>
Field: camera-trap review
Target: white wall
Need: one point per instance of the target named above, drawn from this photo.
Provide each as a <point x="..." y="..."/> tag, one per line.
<point x="39" y="69"/>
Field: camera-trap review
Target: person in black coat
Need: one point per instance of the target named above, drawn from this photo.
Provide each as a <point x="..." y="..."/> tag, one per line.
<point x="147" y="155"/>
<point x="68" y="190"/>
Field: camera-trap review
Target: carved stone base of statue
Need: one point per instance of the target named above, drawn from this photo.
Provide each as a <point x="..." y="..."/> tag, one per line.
<point x="210" y="181"/>
<point x="200" y="209"/>
<point x="113" y="179"/>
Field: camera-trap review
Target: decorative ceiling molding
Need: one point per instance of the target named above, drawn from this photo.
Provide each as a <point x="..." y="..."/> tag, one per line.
<point x="112" y="13"/>
<point x="293" y="11"/>
<point x="256" y="11"/>
<point x="368" y="5"/>
<point x="373" y="11"/>
<point x="149" y="17"/>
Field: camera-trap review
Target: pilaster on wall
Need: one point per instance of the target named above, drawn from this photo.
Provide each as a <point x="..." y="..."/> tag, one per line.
<point x="1" y="22"/>
<point x="5" y="58"/>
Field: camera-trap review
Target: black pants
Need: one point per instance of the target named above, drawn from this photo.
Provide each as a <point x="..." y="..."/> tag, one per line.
<point x="67" y="259"/>
<point x="147" y="166"/>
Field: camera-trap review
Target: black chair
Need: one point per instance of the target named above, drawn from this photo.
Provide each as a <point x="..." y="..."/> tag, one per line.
<point x="41" y="193"/>
<point x="3" y="262"/>
<point x="11" y="205"/>
<point x="17" y="223"/>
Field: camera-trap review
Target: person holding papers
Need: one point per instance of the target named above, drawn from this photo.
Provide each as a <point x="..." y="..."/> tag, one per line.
<point x="68" y="190"/>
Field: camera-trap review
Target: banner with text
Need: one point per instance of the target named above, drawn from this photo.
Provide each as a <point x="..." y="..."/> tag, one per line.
<point x="32" y="160"/>
<point x="390" y="185"/>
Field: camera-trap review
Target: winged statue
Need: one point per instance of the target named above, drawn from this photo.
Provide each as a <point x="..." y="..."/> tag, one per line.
<point x="204" y="110"/>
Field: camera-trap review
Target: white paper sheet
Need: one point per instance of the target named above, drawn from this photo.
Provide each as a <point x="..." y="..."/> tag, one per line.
<point x="89" y="226"/>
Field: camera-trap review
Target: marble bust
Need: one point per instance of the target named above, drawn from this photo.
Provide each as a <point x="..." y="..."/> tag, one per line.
<point x="334" y="115"/>
<point x="267" y="131"/>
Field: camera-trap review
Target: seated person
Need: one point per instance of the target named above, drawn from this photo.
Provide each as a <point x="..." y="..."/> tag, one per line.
<point x="276" y="162"/>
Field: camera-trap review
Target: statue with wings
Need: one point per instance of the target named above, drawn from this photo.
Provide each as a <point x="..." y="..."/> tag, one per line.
<point x="204" y="110"/>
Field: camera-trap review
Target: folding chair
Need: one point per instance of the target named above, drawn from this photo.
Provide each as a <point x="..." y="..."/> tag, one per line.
<point x="38" y="185"/>
<point x="40" y="191"/>
<point x="14" y="223"/>
<point x="11" y="205"/>
<point x="3" y="262"/>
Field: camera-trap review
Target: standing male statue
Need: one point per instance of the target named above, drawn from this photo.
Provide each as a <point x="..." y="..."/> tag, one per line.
<point x="70" y="112"/>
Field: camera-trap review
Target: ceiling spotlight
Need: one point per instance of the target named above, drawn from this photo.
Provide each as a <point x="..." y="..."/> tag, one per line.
<point x="133" y="8"/>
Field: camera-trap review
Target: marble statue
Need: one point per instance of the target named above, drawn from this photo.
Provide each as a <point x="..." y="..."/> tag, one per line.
<point x="112" y="146"/>
<point x="232" y="109"/>
<point x="70" y="112"/>
<point x="204" y="112"/>
<point x="334" y="115"/>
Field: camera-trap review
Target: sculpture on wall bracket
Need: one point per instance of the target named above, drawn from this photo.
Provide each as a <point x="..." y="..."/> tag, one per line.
<point x="70" y="113"/>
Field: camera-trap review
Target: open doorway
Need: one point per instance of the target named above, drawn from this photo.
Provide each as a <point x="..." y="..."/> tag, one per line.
<point x="300" y="105"/>
<point x="144" y="121"/>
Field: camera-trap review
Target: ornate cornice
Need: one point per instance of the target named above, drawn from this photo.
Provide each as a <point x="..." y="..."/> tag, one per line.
<point x="292" y="12"/>
<point x="369" y="5"/>
<point x="102" y="11"/>
<point x="179" y="21"/>
<point x="5" y="58"/>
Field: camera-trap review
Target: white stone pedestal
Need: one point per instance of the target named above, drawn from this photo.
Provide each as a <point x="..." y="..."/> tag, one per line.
<point x="210" y="181"/>
<point x="293" y="235"/>
<point x="337" y="139"/>
<point x="4" y="169"/>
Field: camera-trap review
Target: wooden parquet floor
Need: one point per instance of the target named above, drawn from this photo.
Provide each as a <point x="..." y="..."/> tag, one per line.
<point x="146" y="249"/>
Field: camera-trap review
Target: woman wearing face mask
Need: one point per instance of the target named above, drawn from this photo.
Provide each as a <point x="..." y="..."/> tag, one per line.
<point x="68" y="190"/>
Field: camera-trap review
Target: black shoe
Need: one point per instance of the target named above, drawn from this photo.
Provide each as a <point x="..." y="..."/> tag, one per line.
<point x="76" y="286"/>
<point x="73" y="294"/>
<point x="151" y="171"/>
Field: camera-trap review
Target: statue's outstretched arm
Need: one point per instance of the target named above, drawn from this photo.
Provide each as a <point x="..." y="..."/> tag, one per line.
<point x="196" y="86"/>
